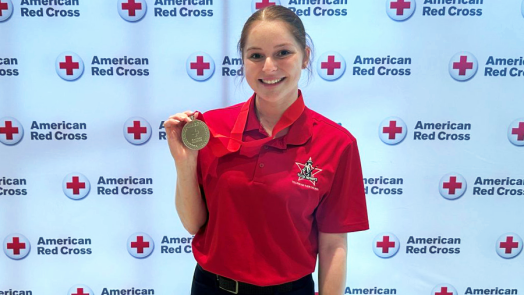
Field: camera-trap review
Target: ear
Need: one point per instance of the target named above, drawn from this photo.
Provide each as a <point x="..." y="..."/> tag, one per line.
<point x="305" y="62"/>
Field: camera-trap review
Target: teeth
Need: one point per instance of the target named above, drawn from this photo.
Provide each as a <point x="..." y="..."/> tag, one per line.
<point x="272" y="81"/>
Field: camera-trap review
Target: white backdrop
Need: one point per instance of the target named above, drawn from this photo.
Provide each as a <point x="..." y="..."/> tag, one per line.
<point x="470" y="191"/>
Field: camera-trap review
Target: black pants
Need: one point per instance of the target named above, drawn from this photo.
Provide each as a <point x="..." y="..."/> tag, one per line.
<point x="205" y="283"/>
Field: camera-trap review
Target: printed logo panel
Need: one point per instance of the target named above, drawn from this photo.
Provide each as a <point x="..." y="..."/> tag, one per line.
<point x="140" y="245"/>
<point x="331" y="66"/>
<point x="400" y="10"/>
<point x="452" y="186"/>
<point x="11" y="131"/>
<point x="16" y="246"/>
<point x="392" y="130"/>
<point x="386" y="245"/>
<point x="76" y="186"/>
<point x="463" y="66"/>
<point x="260" y="4"/>
<point x="80" y="290"/>
<point x="515" y="132"/>
<point x="444" y="289"/>
<point x="200" y="66"/>
<point x="137" y="130"/>
<point x="132" y="10"/>
<point x="6" y="10"/>
<point x="509" y="245"/>
<point x="69" y="66"/>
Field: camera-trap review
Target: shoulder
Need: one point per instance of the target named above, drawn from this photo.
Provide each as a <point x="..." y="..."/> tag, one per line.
<point x="326" y="129"/>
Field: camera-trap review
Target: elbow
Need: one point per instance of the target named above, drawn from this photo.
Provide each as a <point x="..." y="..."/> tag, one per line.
<point x="192" y="230"/>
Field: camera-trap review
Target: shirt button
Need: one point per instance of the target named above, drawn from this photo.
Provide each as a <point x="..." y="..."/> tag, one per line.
<point x="261" y="165"/>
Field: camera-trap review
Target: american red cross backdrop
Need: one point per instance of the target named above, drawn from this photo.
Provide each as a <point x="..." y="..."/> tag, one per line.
<point x="432" y="92"/>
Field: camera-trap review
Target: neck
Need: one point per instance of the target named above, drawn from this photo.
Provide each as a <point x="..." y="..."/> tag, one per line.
<point x="269" y="112"/>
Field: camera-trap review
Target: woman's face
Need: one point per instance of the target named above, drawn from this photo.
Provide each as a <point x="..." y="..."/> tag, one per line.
<point x="273" y="61"/>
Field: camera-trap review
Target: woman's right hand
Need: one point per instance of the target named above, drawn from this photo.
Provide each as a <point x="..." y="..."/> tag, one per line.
<point x="174" y="124"/>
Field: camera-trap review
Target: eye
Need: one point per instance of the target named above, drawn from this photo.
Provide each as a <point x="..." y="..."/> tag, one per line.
<point x="284" y="52"/>
<point x="255" y="56"/>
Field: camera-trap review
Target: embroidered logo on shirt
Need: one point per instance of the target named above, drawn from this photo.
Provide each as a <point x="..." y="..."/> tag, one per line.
<point x="307" y="171"/>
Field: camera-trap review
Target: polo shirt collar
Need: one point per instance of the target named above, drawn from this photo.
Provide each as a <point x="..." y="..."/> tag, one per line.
<point x="299" y="132"/>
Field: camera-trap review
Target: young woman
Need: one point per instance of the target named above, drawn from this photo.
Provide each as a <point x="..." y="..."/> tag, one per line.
<point x="277" y="184"/>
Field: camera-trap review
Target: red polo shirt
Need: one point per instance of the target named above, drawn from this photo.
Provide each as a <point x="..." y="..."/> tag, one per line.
<point x="266" y="208"/>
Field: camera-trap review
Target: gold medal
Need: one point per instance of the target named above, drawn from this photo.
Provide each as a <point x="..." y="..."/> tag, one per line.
<point x="195" y="134"/>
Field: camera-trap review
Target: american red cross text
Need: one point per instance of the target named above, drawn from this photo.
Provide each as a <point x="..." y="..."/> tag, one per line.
<point x="76" y="185"/>
<point x="140" y="244"/>
<point x="16" y="246"/>
<point x="452" y="185"/>
<point x="400" y="5"/>
<point x="69" y="65"/>
<point x="330" y="65"/>
<point x="463" y="65"/>
<point x="132" y="7"/>
<point x="392" y="130"/>
<point x="9" y="130"/>
<point x="200" y="65"/>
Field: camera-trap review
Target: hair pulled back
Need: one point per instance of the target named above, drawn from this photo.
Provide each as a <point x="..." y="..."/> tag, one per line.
<point x="279" y="13"/>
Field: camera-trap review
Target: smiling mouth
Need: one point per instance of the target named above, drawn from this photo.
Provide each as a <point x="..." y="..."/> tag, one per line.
<point x="271" y="82"/>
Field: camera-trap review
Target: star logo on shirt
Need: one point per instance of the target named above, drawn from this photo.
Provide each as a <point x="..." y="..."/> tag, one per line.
<point x="308" y="172"/>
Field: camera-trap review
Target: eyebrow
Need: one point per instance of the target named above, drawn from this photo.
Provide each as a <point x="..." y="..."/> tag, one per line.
<point x="276" y="46"/>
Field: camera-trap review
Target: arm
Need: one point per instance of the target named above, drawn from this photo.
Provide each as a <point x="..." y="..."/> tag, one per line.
<point x="189" y="203"/>
<point x="332" y="252"/>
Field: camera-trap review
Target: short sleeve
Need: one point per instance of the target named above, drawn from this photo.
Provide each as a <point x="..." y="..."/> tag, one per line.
<point x="343" y="208"/>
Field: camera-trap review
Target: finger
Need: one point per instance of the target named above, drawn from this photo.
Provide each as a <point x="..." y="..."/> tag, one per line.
<point x="181" y="117"/>
<point x="170" y="123"/>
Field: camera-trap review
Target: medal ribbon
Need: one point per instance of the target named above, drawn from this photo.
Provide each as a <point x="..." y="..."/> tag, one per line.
<point x="235" y="142"/>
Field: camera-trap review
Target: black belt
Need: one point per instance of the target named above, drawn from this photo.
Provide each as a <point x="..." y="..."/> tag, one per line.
<point x="237" y="287"/>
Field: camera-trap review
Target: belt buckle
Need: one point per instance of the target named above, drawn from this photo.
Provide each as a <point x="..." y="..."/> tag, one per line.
<point x="230" y="291"/>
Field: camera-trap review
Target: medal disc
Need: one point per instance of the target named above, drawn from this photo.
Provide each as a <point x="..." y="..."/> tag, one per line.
<point x="195" y="135"/>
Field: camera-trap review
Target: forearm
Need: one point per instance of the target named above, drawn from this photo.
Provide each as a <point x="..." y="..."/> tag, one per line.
<point x="332" y="270"/>
<point x="189" y="203"/>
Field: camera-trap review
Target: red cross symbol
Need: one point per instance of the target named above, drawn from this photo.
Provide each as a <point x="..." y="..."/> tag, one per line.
<point x="330" y="65"/>
<point x="137" y="130"/>
<point x="264" y="4"/>
<point x="463" y="65"/>
<point x="392" y="129"/>
<point x="509" y="245"/>
<point x="69" y="65"/>
<point x="9" y="130"/>
<point x="3" y="6"/>
<point x="452" y="185"/>
<point x="76" y="185"/>
<point x="80" y="291"/>
<point x="139" y="244"/>
<point x="16" y="246"/>
<point x="386" y="244"/>
<point x="400" y="5"/>
<point x="444" y="291"/>
<point x="131" y="6"/>
<point x="519" y="131"/>
<point x="200" y="65"/>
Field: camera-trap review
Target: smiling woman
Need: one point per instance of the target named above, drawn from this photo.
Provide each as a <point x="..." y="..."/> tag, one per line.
<point x="277" y="185"/>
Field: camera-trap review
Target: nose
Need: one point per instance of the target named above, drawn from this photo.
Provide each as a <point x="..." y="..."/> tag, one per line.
<point x="269" y="65"/>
